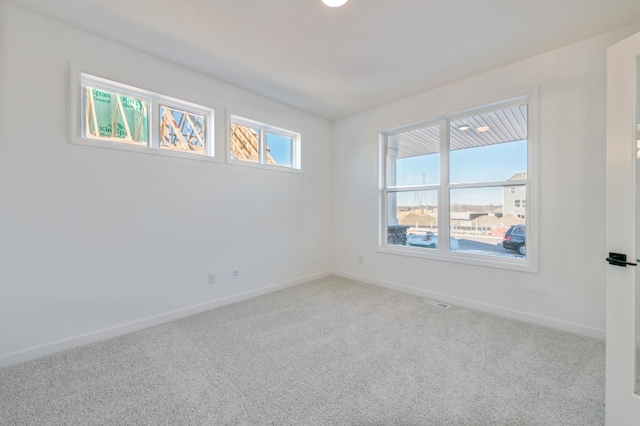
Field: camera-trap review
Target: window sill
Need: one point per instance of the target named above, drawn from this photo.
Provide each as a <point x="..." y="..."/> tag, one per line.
<point x="486" y="261"/>
<point x="263" y="166"/>
<point x="97" y="143"/>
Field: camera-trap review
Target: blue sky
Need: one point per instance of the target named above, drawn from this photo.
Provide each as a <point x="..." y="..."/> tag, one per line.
<point x="482" y="164"/>
<point x="280" y="148"/>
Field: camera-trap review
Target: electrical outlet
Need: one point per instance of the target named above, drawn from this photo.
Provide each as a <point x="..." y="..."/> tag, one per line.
<point x="235" y="274"/>
<point x="212" y="278"/>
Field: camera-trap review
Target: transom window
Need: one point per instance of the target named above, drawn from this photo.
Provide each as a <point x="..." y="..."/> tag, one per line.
<point x="452" y="187"/>
<point x="182" y="130"/>
<point x="116" y="115"/>
<point x="251" y="142"/>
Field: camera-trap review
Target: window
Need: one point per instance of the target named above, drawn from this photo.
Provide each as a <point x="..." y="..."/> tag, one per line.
<point x="182" y="130"/>
<point x="115" y="115"/>
<point x="260" y="144"/>
<point x="451" y="187"/>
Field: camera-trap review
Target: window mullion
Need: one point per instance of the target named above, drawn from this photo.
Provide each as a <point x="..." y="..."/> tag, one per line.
<point x="261" y="146"/>
<point x="443" y="193"/>
<point x="153" y="115"/>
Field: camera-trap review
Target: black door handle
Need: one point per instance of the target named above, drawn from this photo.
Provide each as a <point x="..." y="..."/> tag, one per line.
<point x="619" y="259"/>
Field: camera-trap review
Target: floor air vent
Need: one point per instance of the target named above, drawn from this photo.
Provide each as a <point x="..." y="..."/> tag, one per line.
<point x="436" y="303"/>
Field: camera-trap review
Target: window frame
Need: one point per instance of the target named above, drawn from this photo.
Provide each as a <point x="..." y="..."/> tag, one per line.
<point x="530" y="263"/>
<point x="81" y="79"/>
<point x="263" y="128"/>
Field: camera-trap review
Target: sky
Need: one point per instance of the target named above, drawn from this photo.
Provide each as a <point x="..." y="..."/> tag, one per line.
<point x="279" y="148"/>
<point x="497" y="162"/>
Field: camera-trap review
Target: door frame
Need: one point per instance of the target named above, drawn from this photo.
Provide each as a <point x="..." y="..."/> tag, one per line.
<point x="622" y="403"/>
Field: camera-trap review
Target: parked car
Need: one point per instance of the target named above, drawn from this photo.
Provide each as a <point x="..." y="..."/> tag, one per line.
<point x="514" y="239"/>
<point x="430" y="240"/>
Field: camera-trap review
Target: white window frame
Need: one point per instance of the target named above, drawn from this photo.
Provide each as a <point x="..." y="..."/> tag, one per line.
<point x="263" y="129"/>
<point x="80" y="80"/>
<point x="530" y="263"/>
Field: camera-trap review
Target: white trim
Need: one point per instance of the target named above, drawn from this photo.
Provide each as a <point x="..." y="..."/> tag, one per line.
<point x="568" y="326"/>
<point x="122" y="329"/>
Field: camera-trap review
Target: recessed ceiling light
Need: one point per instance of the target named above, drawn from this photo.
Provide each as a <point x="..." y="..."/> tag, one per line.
<point x="463" y="127"/>
<point x="483" y="129"/>
<point x="334" y="3"/>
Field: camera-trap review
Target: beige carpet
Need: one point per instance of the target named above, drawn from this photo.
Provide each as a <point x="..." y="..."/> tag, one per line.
<point x="329" y="352"/>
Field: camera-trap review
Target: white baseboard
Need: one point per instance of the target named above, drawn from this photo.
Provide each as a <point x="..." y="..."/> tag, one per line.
<point x="121" y="329"/>
<point x="585" y="330"/>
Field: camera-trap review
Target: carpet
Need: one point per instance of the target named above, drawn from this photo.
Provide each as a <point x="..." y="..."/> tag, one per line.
<point x="329" y="352"/>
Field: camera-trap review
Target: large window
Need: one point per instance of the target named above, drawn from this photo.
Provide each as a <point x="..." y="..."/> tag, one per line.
<point x="116" y="115"/>
<point x="452" y="188"/>
<point x="251" y="142"/>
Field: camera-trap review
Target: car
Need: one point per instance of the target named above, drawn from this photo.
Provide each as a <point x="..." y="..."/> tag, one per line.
<point x="430" y="240"/>
<point x="514" y="239"/>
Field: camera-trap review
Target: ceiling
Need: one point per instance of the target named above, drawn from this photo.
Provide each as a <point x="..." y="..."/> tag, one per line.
<point x="501" y="125"/>
<point x="335" y="62"/>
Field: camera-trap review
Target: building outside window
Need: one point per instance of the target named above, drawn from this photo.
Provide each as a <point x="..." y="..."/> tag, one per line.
<point x="514" y="199"/>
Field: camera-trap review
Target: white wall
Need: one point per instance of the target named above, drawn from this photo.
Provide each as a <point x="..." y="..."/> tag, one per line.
<point x="569" y="290"/>
<point x="94" y="242"/>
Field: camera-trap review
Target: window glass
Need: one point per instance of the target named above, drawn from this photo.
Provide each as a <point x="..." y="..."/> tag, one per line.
<point x="245" y="143"/>
<point x="181" y="130"/>
<point x="515" y="207"/>
<point x="279" y="149"/>
<point x="412" y="218"/>
<point x="480" y="217"/>
<point x="414" y="157"/>
<point x="113" y="116"/>
<point x="489" y="147"/>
